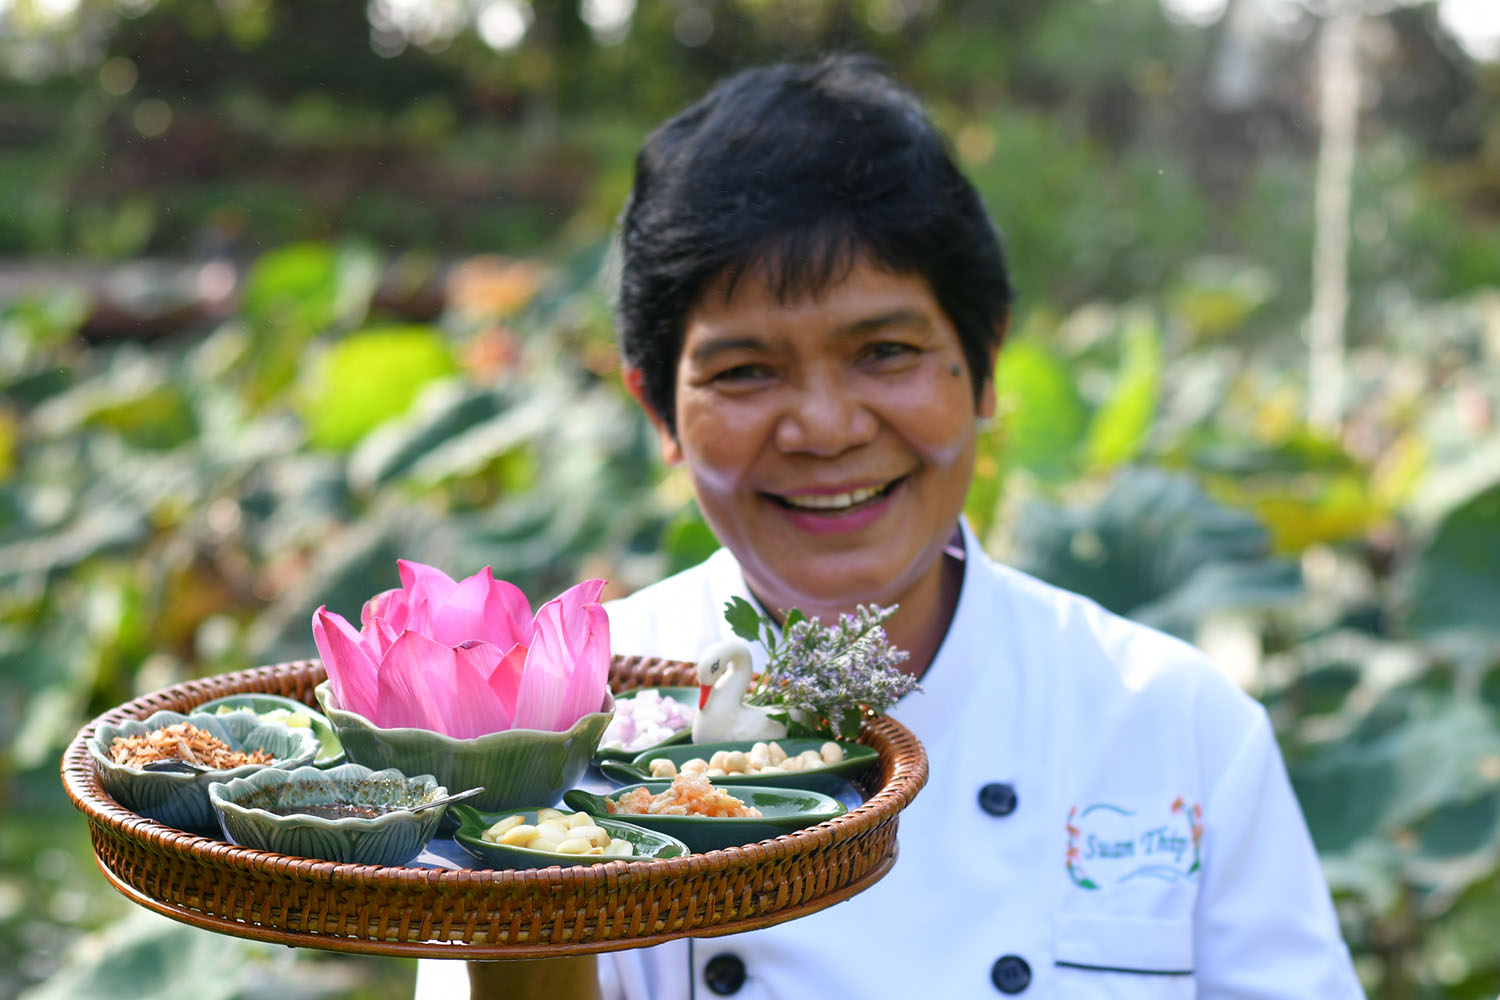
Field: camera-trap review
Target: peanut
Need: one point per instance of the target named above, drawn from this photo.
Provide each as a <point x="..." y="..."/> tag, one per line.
<point x="762" y="758"/>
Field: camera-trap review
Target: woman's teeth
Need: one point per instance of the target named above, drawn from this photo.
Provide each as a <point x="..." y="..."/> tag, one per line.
<point x="833" y="501"/>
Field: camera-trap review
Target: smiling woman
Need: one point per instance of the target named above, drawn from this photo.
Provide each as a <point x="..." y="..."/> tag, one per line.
<point x="811" y="302"/>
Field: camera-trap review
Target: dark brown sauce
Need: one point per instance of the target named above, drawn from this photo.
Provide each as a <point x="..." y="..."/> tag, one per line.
<point x="329" y="810"/>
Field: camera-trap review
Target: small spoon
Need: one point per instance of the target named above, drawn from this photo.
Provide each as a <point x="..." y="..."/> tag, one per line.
<point x="176" y="766"/>
<point x="446" y="799"/>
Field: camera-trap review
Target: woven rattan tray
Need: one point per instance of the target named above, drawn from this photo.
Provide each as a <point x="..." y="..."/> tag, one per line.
<point x="483" y="914"/>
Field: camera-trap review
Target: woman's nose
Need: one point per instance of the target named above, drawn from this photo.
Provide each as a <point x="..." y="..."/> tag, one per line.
<point x="825" y="419"/>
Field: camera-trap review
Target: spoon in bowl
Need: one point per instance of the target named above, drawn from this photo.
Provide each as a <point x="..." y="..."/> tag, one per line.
<point x="176" y="765"/>
<point x="446" y="799"/>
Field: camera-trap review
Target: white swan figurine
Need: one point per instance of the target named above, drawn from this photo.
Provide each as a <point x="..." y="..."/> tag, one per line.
<point x="723" y="678"/>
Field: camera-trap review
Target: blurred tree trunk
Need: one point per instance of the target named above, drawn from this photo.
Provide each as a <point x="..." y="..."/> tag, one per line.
<point x="560" y="31"/>
<point x="1338" y="116"/>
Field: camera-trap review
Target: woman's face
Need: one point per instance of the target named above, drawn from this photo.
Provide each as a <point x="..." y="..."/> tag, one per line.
<point x="830" y="440"/>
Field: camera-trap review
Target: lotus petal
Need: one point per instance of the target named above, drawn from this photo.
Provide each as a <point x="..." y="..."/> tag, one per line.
<point x="391" y="606"/>
<point x="505" y="679"/>
<point x="416" y="686"/>
<point x="559" y="672"/>
<point x="481" y="607"/>
<point x="477" y="710"/>
<point x="590" y="666"/>
<point x="427" y="589"/>
<point x="352" y="671"/>
<point x="378" y="637"/>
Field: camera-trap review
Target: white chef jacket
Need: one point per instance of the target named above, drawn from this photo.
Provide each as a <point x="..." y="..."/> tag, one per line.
<point x="1053" y="852"/>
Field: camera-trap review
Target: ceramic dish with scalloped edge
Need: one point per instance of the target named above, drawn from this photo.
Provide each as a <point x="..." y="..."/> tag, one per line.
<point x="180" y="798"/>
<point x="348" y="813"/>
<point x="513" y="766"/>
<point x="277" y="708"/>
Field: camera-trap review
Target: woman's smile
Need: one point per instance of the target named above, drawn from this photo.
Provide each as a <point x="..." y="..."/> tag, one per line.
<point x="839" y="510"/>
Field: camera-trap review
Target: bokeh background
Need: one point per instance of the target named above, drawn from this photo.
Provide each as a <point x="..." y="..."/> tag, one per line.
<point x="289" y="288"/>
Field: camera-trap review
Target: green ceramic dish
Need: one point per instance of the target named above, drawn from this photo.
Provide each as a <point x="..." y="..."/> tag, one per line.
<point x="649" y="844"/>
<point x="784" y="810"/>
<point x="682" y="695"/>
<point x="332" y="751"/>
<point x="393" y="837"/>
<point x="181" y="799"/>
<point x="517" y="767"/>
<point x="826" y="778"/>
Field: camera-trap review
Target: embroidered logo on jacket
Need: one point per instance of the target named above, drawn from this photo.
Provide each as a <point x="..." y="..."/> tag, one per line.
<point x="1109" y="844"/>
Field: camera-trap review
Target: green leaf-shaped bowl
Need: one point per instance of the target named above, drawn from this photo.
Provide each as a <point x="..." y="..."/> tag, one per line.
<point x="181" y="799"/>
<point x="826" y="778"/>
<point x="783" y="810"/>
<point x="515" y="767"/>
<point x="393" y="837"/>
<point x="649" y="844"/>
<point x="682" y="695"/>
<point x="331" y="752"/>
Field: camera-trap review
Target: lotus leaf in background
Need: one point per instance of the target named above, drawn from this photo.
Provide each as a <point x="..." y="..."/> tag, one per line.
<point x="1155" y="548"/>
<point x="1453" y="587"/>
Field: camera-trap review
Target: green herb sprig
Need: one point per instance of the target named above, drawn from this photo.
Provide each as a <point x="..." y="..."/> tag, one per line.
<point x="824" y="679"/>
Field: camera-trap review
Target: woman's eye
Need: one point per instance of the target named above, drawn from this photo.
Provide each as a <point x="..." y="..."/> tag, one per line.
<point x="888" y="349"/>
<point x="741" y="373"/>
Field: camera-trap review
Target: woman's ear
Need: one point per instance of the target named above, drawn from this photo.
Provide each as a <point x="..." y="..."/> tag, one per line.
<point x="635" y="384"/>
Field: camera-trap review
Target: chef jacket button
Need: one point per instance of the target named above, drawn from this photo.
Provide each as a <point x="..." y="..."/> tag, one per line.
<point x="724" y="973"/>
<point x="998" y="798"/>
<point x="1011" y="974"/>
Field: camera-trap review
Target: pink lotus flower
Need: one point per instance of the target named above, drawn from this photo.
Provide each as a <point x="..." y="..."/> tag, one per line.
<point x="467" y="658"/>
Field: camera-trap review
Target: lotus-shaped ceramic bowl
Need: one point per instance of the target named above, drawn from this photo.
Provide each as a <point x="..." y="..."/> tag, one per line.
<point x="516" y="767"/>
<point x="180" y="798"/>
<point x="347" y="813"/>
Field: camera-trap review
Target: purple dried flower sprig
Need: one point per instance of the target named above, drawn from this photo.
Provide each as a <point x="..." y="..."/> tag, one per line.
<point x="826" y="678"/>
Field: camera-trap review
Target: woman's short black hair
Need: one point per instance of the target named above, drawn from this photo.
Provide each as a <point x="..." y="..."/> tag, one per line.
<point x="799" y="169"/>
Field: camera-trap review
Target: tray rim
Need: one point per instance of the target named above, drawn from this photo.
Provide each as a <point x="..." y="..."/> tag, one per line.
<point x="893" y="786"/>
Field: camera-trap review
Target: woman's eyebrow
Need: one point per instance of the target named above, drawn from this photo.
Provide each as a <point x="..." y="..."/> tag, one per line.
<point x="896" y="317"/>
<point x="713" y="347"/>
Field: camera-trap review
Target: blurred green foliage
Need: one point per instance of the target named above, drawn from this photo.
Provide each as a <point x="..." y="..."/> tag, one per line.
<point x="185" y="475"/>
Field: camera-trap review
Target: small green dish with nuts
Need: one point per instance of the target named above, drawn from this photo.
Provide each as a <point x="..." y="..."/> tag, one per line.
<point x="817" y="765"/>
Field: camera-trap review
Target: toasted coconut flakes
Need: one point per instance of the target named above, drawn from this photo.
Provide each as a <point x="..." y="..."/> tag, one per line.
<point x="182" y="741"/>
